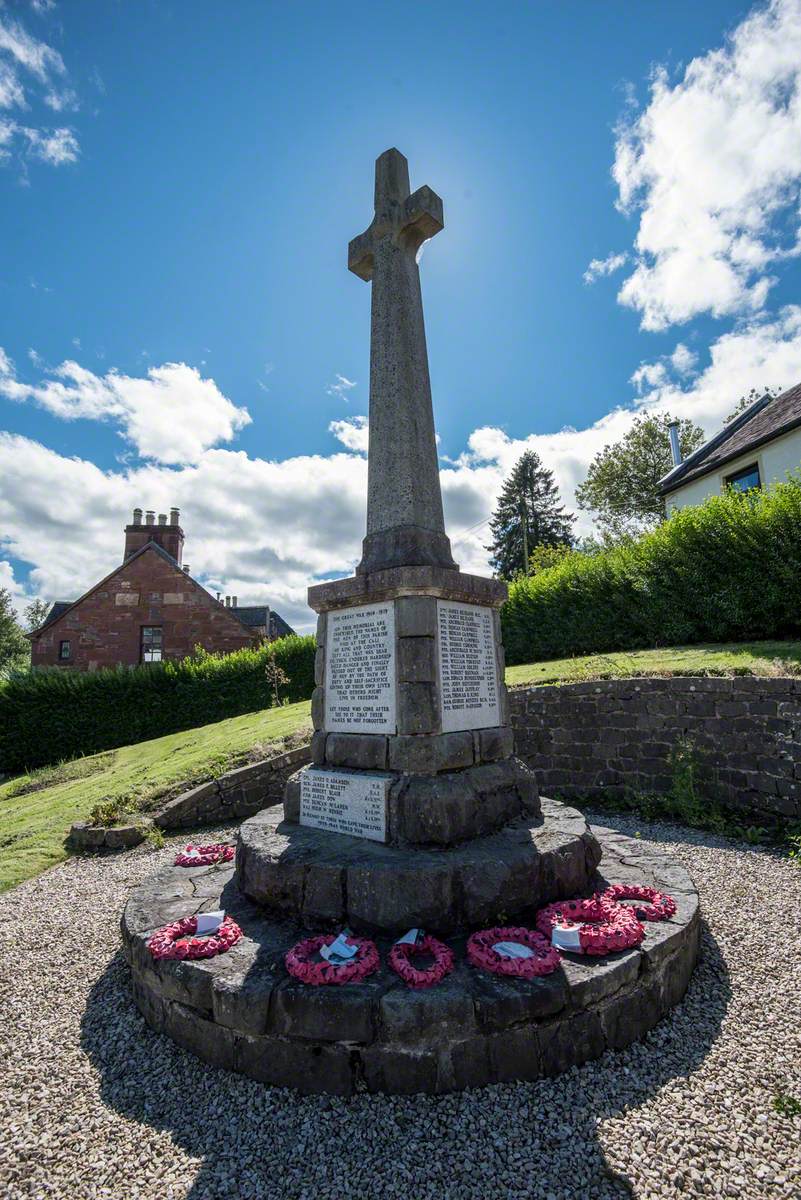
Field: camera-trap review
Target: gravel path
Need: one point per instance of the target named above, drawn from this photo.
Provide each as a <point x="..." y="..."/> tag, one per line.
<point x="95" y="1105"/>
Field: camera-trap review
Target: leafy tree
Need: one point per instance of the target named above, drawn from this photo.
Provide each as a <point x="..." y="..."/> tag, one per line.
<point x="621" y="484"/>
<point x="14" y="648"/>
<point x="746" y="401"/>
<point x="528" y="515"/>
<point x="35" y="614"/>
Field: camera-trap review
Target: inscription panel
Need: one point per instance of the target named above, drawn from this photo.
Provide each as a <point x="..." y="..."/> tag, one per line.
<point x="350" y="802"/>
<point x="360" y="669"/>
<point x="468" y="669"/>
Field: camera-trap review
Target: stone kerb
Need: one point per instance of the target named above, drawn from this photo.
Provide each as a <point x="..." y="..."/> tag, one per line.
<point x="234" y="795"/>
<point x="607" y="737"/>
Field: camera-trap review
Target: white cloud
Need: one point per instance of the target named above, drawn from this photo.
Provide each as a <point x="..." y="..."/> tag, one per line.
<point x="712" y="166"/>
<point x="604" y="266"/>
<point x="172" y="416"/>
<point x="352" y="432"/>
<point x="264" y="530"/>
<point x="27" y="61"/>
<point x="340" y="387"/>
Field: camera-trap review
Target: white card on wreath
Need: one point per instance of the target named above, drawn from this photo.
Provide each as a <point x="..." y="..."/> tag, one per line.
<point x="209" y="922"/>
<point x="513" y="950"/>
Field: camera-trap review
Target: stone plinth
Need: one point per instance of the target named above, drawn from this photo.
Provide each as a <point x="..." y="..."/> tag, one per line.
<point x="323" y="880"/>
<point x="242" y="1012"/>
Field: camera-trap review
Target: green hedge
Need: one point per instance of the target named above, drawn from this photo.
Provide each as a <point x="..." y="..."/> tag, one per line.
<point x="726" y="570"/>
<point x="50" y="715"/>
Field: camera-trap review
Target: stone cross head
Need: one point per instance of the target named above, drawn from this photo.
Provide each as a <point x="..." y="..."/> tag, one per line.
<point x="409" y="220"/>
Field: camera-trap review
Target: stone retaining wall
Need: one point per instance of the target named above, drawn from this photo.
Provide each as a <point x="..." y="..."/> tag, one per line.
<point x="610" y="736"/>
<point x="235" y="795"/>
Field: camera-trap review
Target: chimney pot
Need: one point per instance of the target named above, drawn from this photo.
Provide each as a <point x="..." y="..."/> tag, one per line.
<point x="175" y="516"/>
<point x="137" y="516"/>
<point x="234" y="601"/>
<point x="227" y="601"/>
<point x="186" y="568"/>
<point x="150" y="518"/>
<point x="162" y="518"/>
<point x="675" y="445"/>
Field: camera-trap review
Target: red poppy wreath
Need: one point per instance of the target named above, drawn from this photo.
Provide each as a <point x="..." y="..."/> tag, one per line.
<point x="595" y="926"/>
<point x="539" y="956"/>
<point x="656" y="906"/>
<point x="178" y="941"/>
<point x="301" y="965"/>
<point x="204" y="856"/>
<point x="402" y="954"/>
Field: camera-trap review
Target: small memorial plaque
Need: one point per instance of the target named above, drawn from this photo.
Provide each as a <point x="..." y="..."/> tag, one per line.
<point x="348" y="802"/>
<point x="360" y="670"/>
<point x="468" y="667"/>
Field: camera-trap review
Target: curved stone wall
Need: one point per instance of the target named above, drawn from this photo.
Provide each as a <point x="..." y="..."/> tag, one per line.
<point x="616" y="735"/>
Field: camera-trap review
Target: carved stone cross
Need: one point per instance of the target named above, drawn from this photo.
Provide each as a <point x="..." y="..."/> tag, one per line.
<point x="405" y="526"/>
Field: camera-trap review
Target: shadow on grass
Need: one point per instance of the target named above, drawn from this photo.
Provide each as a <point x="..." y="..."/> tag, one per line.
<point x="514" y="1140"/>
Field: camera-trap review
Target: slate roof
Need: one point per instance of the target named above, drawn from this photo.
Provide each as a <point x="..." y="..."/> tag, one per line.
<point x="249" y="616"/>
<point x="766" y="419"/>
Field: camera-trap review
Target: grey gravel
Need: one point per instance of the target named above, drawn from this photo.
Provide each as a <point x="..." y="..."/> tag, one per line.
<point x="93" y="1104"/>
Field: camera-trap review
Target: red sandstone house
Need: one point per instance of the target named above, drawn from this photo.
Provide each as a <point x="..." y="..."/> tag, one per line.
<point x="148" y="609"/>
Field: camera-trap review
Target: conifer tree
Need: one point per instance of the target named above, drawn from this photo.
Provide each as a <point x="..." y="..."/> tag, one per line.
<point x="528" y="515"/>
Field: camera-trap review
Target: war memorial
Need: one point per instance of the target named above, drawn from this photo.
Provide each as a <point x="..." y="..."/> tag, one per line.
<point x="414" y="817"/>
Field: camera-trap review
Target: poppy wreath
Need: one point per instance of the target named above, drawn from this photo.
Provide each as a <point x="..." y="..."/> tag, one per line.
<point x="178" y="941"/>
<point x="657" y="906"/>
<point x="299" y="963"/>
<point x="402" y="953"/>
<point x="206" y="856"/>
<point x="480" y="952"/>
<point x="603" y="926"/>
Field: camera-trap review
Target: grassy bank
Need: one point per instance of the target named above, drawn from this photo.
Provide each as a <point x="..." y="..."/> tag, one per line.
<point x="36" y="810"/>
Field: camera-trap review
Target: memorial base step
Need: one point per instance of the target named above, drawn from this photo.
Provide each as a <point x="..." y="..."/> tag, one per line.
<point x="242" y="1012"/>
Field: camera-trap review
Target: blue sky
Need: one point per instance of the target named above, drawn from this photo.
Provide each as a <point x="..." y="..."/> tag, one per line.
<point x="180" y="183"/>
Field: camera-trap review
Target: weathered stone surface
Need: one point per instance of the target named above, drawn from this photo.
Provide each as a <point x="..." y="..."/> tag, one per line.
<point x="84" y="836"/>
<point x="418" y="708"/>
<point x="399" y="582"/>
<point x="292" y="797"/>
<point x="319" y="738"/>
<point x="365" y="751"/>
<point x="428" y="754"/>
<point x="494" y="743"/>
<point x="318" y="708"/>
<point x="416" y="616"/>
<point x="325" y="877"/>
<point x="319" y="666"/>
<point x="122" y="837"/>
<point x="241" y="1011"/>
<point x="417" y="660"/>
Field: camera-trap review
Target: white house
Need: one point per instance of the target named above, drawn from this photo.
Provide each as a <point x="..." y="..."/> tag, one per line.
<point x="757" y="449"/>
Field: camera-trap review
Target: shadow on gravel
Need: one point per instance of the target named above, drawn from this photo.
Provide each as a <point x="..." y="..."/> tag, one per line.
<point x="523" y="1140"/>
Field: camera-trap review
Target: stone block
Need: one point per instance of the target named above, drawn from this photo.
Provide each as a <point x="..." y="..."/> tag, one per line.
<point x="323" y="896"/>
<point x="242" y="1001"/>
<point x="318" y="708"/>
<point x="309" y="1067"/>
<point x="363" y="751"/>
<point x="319" y="666"/>
<point x="325" y="1014"/>
<point x="123" y="837"/>
<point x="495" y="743"/>
<point x="569" y="1043"/>
<point x="503" y="1002"/>
<point x="418" y="708"/>
<point x="430" y="1016"/>
<point x="426" y="754"/>
<point x="86" y="836"/>
<point x="212" y="1043"/>
<point x="631" y="1012"/>
<point x="320" y="631"/>
<point x="393" y="1070"/>
<point x="292" y="798"/>
<point x="416" y="616"/>
<point x="416" y="662"/>
<point x="318" y="747"/>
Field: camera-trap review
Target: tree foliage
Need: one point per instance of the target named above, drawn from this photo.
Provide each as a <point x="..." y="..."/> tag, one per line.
<point x="35" y="614"/>
<point x="621" y="487"/>
<point x="746" y="401"/>
<point x="528" y="505"/>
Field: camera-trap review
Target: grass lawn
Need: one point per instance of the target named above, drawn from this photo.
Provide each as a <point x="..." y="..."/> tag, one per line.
<point x="744" y="658"/>
<point x="36" y="810"/>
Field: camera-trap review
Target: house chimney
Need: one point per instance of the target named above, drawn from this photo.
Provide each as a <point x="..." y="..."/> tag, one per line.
<point x="227" y="601"/>
<point x="175" y="516"/>
<point x="233" y="601"/>
<point x="169" y="537"/>
<point x="675" y="447"/>
<point x="218" y="597"/>
<point x="186" y="569"/>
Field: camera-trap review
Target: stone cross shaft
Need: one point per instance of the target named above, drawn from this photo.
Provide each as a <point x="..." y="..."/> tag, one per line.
<point x="405" y="525"/>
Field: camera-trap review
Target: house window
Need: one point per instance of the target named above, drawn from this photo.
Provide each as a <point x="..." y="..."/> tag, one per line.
<point x="64" y="650"/>
<point x="151" y="644"/>
<point x="745" y="480"/>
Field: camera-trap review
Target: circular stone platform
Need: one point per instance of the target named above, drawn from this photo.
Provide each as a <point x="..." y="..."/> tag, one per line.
<point x="241" y="1011"/>
<point x="332" y="879"/>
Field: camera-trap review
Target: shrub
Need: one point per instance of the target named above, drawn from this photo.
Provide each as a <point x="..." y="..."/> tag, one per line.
<point x="726" y="570"/>
<point x="50" y="715"/>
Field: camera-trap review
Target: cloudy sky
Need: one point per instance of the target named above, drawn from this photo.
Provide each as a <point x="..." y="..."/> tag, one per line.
<point x="178" y="185"/>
